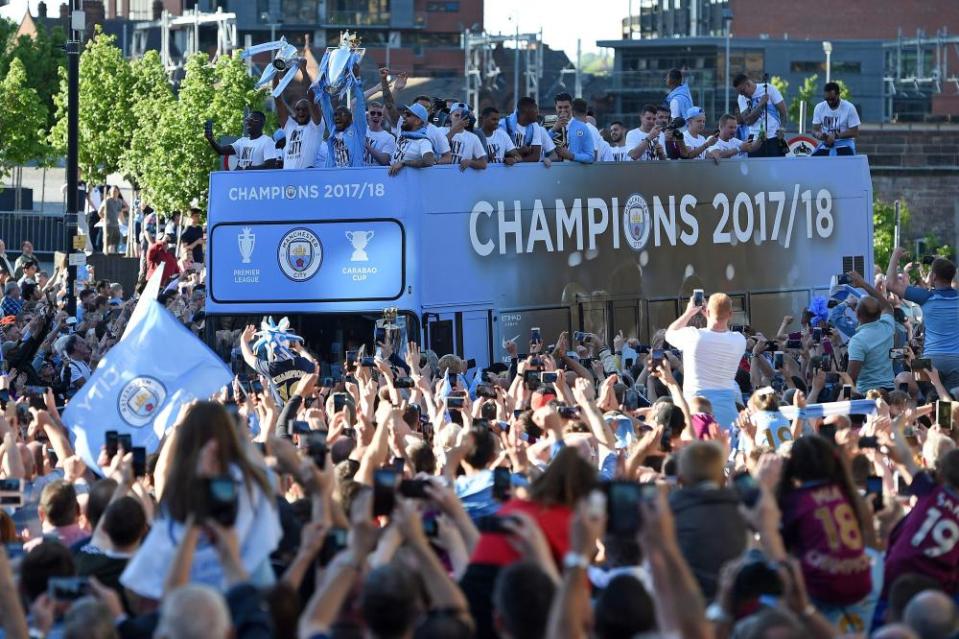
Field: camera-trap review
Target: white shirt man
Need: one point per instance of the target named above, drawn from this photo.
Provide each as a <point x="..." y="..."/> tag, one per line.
<point x="711" y="356"/>
<point x="498" y="144"/>
<point x="254" y="152"/>
<point x="302" y="141"/>
<point x="835" y="123"/>
<point x="464" y="144"/>
<point x="696" y="142"/>
<point x="645" y="142"/>
<point x="771" y="111"/>
<point x="381" y="140"/>
<point x="727" y="145"/>
<point x="411" y="149"/>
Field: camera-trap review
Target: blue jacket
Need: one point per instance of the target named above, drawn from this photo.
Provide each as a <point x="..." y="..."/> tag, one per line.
<point x="581" y="142"/>
<point x="682" y="94"/>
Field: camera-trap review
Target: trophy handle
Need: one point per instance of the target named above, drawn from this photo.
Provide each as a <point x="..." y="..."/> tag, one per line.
<point x="369" y="235"/>
<point x="349" y="235"/>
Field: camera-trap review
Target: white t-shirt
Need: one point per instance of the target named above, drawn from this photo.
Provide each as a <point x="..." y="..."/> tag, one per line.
<point x="775" y="97"/>
<point x="598" y="140"/>
<point x="465" y="145"/>
<point x="546" y="142"/>
<point x="498" y="144"/>
<point x="636" y="136"/>
<point x="438" y="139"/>
<point x="408" y="149"/>
<point x="693" y="142"/>
<point x="835" y="120"/>
<point x="341" y="150"/>
<point x="301" y="144"/>
<point x="254" y="152"/>
<point x="710" y="358"/>
<point x="381" y="140"/>
<point x="729" y="145"/>
<point x="618" y="153"/>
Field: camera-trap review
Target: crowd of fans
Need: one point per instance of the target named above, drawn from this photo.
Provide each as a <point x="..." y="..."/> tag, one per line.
<point x="431" y="131"/>
<point x="715" y="482"/>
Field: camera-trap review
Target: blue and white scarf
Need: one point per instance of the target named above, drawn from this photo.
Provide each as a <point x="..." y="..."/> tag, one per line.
<point x="820" y="411"/>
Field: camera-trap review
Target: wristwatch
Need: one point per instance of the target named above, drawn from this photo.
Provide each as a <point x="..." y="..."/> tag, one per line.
<point x="575" y="560"/>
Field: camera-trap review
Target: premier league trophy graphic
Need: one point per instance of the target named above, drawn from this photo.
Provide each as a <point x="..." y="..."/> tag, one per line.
<point x="246" y="241"/>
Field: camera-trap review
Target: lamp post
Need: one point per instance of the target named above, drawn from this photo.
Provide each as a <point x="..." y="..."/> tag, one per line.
<point x="727" y="19"/>
<point x="77" y="29"/>
<point x="827" y="49"/>
<point x="267" y="17"/>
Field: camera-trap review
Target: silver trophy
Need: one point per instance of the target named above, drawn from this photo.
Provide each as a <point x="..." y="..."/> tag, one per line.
<point x="285" y="62"/>
<point x="246" y="241"/>
<point x="339" y="61"/>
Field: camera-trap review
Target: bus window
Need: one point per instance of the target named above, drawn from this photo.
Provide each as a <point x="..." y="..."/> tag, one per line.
<point x="626" y="318"/>
<point x="518" y="322"/>
<point x="594" y="319"/>
<point x="661" y="314"/>
<point x="767" y="309"/>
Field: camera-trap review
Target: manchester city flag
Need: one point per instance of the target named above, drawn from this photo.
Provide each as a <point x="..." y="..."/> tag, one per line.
<point x="142" y="382"/>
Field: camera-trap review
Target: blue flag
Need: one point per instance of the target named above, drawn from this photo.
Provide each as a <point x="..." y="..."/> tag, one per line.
<point x="142" y="382"/>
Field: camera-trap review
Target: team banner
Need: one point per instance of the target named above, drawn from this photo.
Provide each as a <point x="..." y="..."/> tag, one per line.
<point x="528" y="236"/>
<point x="141" y="383"/>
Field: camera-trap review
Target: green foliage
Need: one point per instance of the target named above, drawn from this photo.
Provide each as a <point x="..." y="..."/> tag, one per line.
<point x="596" y="63"/>
<point x="151" y="96"/>
<point x="23" y="117"/>
<point x="176" y="159"/>
<point x="43" y="56"/>
<point x="884" y="228"/>
<point x="106" y="119"/>
<point x="782" y="85"/>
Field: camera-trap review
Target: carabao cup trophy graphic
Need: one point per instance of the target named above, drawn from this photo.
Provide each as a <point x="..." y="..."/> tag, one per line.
<point x="359" y="239"/>
<point x="246" y="241"/>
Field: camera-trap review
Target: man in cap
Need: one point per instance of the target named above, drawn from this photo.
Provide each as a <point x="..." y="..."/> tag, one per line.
<point x="465" y="146"/>
<point x="413" y="149"/>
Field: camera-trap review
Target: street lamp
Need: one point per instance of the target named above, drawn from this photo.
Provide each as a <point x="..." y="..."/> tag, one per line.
<point x="827" y="49"/>
<point x="727" y="19"/>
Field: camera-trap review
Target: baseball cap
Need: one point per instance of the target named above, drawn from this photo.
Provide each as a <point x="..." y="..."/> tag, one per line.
<point x="418" y="110"/>
<point x="460" y="106"/>
<point x="694" y="112"/>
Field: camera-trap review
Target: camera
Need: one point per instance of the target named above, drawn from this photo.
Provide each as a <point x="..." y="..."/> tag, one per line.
<point x="384" y="491"/>
<point x="222" y="500"/>
<point x="675" y="127"/>
<point x="67" y="588"/>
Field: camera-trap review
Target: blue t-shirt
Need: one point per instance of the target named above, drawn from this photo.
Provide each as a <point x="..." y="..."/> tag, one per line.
<point x="870" y="345"/>
<point x="940" y="312"/>
<point x="476" y="493"/>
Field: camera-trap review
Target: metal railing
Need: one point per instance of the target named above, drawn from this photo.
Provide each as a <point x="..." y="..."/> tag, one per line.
<point x="45" y="231"/>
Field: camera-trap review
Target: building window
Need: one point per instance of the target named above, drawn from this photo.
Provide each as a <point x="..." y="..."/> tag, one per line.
<point x="798" y="66"/>
<point x="443" y="7"/>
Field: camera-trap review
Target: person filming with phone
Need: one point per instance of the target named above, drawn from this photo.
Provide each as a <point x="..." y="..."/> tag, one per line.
<point x="711" y="355"/>
<point x="869" y="363"/>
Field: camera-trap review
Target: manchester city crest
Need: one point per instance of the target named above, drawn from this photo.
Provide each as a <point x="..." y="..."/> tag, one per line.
<point x="636" y="222"/>
<point x="300" y="254"/>
<point x="140" y="400"/>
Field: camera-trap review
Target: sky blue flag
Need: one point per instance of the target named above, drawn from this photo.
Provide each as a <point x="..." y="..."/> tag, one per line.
<point x="141" y="383"/>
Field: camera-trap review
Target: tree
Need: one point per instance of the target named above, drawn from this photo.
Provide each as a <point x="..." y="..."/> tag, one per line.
<point x="884" y="228"/>
<point x="23" y="118"/>
<point x="43" y="56"/>
<point x="151" y="95"/>
<point x="106" y="119"/>
<point x="177" y="160"/>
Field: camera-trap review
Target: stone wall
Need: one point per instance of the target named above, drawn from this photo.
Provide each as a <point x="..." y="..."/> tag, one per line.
<point x="919" y="163"/>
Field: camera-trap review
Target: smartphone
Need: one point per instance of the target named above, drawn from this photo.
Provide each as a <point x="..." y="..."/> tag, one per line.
<point x="379" y="335"/>
<point x="455" y="403"/>
<point x="825" y="364"/>
<point x="902" y="485"/>
<point x="256" y="387"/>
<point x="831" y="378"/>
<point x="486" y="391"/>
<point x="316" y="448"/>
<point x="842" y="278"/>
<point x="431" y="527"/>
<point x="112" y="443"/>
<point x="351" y="358"/>
<point x="846" y="392"/>
<point x="493" y="524"/>
<point x="339" y="402"/>
<point x="67" y="588"/>
<point x="414" y="488"/>
<point x="927" y="260"/>
<point x="579" y="337"/>
<point x="11" y="492"/>
<point x="921" y="364"/>
<point x="403" y="382"/>
<point x="222" y="500"/>
<point x="368" y="362"/>
<point x="622" y="507"/>
<point x="868" y="442"/>
<point x="502" y="483"/>
<point x="897" y="353"/>
<point x="828" y="431"/>
<point x="326" y="382"/>
<point x="548" y="377"/>
<point x="747" y="488"/>
<point x="569" y="412"/>
<point x="470" y="364"/>
<point x="139" y="461"/>
<point x="874" y="489"/>
<point x="778" y="360"/>
<point x="535" y="336"/>
<point x="125" y="441"/>
<point x="37" y="391"/>
<point x="333" y="544"/>
<point x="299" y="427"/>
<point x="384" y="491"/>
<point x="793" y="344"/>
<point x="944" y="414"/>
<point x="657" y="357"/>
<point x="699" y="297"/>
<point x="817" y="334"/>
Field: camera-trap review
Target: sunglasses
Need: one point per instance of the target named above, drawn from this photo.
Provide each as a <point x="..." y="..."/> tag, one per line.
<point x="376" y="113"/>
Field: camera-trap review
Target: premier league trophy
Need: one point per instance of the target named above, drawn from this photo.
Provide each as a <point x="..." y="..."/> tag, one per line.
<point x="338" y="79"/>
<point x="392" y="328"/>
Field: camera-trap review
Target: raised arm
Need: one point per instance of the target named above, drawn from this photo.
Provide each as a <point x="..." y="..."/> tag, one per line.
<point x="857" y="280"/>
<point x="893" y="283"/>
<point x="219" y="148"/>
